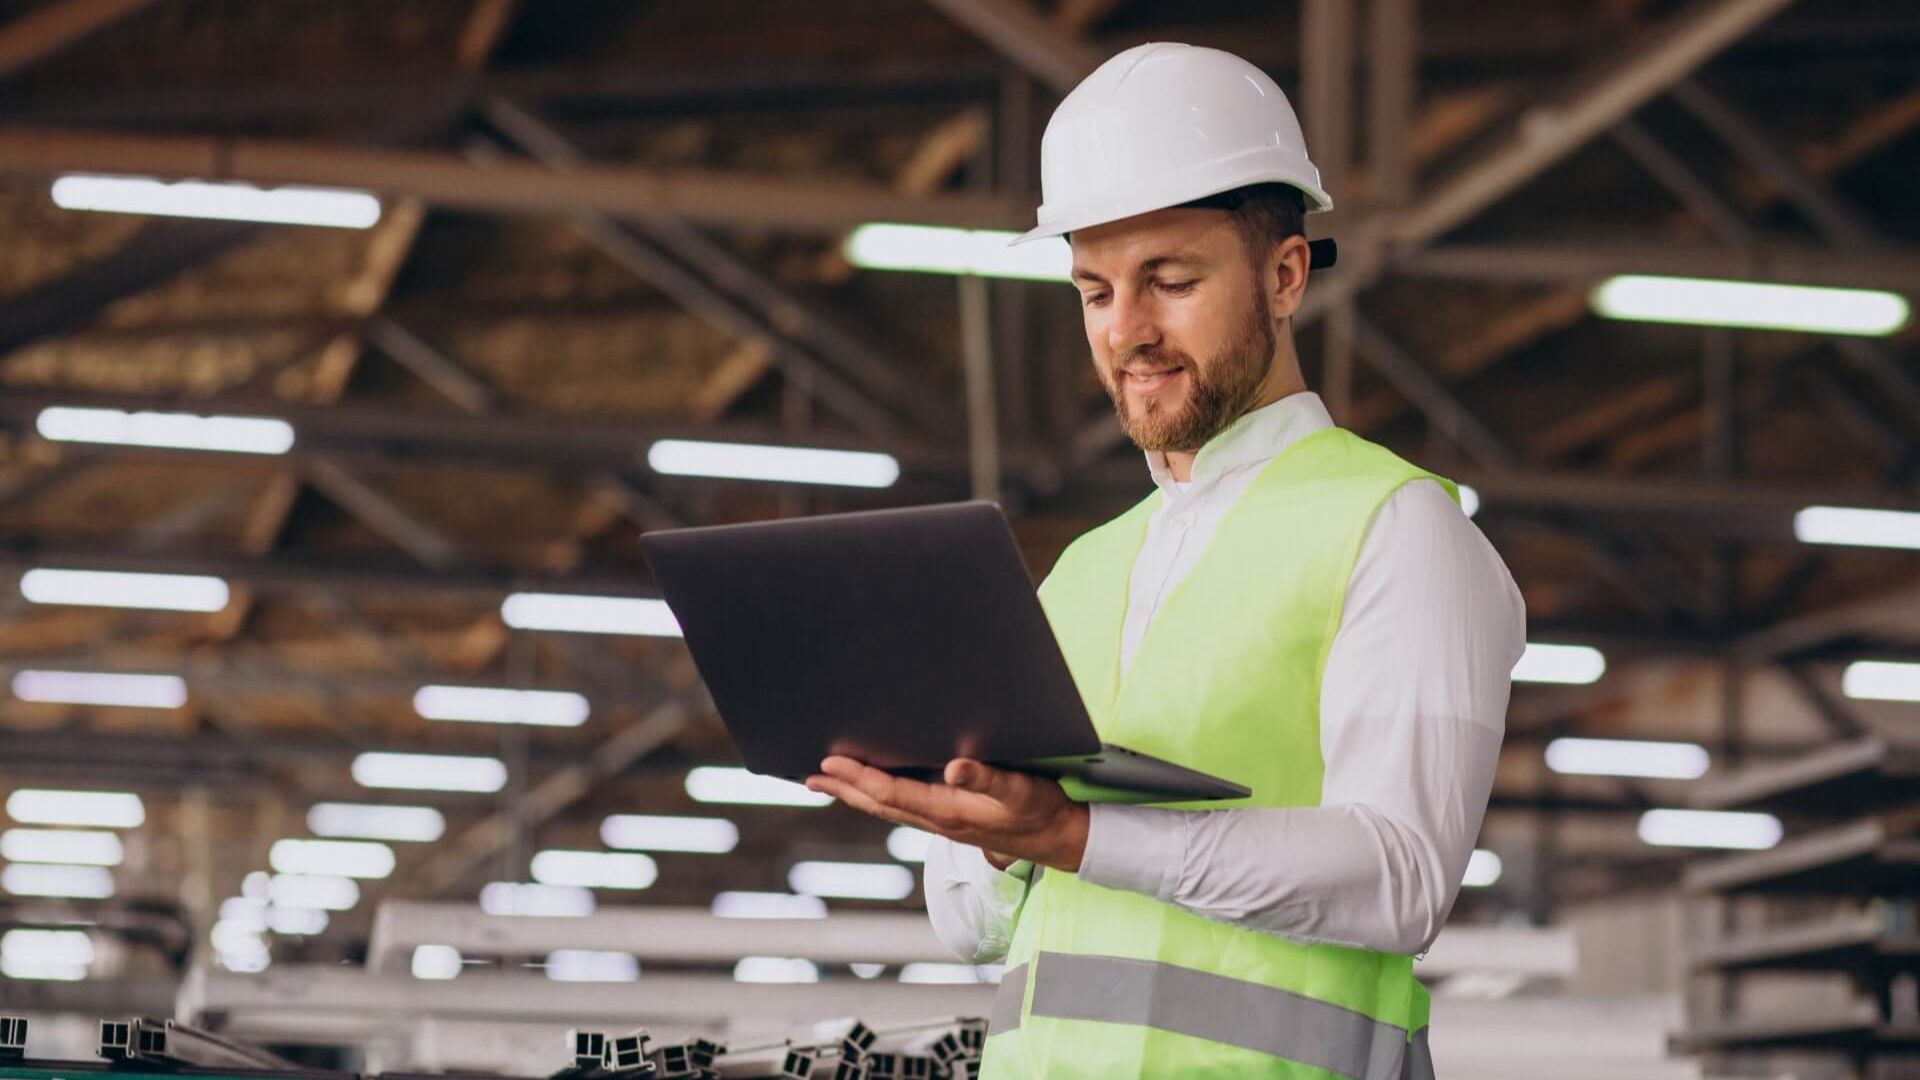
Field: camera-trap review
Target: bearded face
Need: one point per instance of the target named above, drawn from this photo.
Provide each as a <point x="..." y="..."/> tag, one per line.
<point x="1169" y="399"/>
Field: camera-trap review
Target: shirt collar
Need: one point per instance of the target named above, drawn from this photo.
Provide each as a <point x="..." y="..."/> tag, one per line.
<point x="1253" y="439"/>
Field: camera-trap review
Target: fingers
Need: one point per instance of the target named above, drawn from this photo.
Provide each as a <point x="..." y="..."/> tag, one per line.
<point x="859" y="799"/>
<point x="997" y="784"/>
<point x="885" y="788"/>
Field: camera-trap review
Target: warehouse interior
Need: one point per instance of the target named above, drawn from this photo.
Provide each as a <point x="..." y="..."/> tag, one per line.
<point x="596" y="233"/>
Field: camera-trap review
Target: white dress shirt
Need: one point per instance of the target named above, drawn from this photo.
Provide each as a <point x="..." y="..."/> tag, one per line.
<point x="1413" y="705"/>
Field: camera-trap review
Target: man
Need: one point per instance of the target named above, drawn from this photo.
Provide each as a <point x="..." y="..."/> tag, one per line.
<point x="1293" y="608"/>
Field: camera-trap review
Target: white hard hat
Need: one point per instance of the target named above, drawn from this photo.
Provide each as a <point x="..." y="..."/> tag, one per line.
<point x="1163" y="124"/>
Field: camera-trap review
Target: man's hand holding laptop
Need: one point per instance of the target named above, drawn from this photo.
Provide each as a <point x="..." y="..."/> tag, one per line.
<point x="1008" y="815"/>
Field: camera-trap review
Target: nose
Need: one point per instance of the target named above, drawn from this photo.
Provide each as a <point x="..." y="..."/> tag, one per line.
<point x="1131" y="323"/>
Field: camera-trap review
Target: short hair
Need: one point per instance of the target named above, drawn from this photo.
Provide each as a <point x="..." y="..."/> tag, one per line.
<point x="1266" y="214"/>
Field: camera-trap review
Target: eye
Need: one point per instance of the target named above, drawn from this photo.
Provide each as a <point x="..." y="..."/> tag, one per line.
<point x="1093" y="299"/>
<point x="1176" y="288"/>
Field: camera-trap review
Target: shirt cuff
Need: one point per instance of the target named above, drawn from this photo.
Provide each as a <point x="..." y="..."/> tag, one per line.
<point x="1136" y="848"/>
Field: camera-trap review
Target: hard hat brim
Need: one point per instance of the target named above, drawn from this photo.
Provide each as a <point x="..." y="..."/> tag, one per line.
<point x="1087" y="215"/>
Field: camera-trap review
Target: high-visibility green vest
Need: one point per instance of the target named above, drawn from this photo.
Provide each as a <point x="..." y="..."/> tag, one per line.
<point x="1110" y="983"/>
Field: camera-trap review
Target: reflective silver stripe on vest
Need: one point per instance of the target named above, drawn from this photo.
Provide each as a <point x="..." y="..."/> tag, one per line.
<point x="1008" y="1001"/>
<point x="1419" y="1058"/>
<point x="1208" y="1006"/>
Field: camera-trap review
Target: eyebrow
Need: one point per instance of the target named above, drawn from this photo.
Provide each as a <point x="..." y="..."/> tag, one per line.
<point x="1081" y="273"/>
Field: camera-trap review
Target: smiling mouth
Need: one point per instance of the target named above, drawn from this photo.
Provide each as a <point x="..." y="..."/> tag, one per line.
<point x="1150" y="382"/>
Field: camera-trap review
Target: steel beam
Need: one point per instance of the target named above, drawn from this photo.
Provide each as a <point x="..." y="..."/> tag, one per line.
<point x="676" y="935"/>
<point x="246" y="677"/>
<point x="380" y="513"/>
<point x="160" y="250"/>
<point x="1893" y="612"/>
<point x="455" y="859"/>
<point x="780" y="315"/>
<point x="1833" y="712"/>
<point x="1450" y="416"/>
<point x="1051" y="55"/>
<point x="1829" y="214"/>
<point x="1607" y="92"/>
<point x="345" y="572"/>
<point x="554" y="441"/>
<point x="1588" y="104"/>
<point x="1886" y="267"/>
<point x="1393" y="76"/>
<point x="1679" y="179"/>
<point x="46" y="30"/>
<point x="289" y="999"/>
<point x="430" y="365"/>
<point x="704" y="197"/>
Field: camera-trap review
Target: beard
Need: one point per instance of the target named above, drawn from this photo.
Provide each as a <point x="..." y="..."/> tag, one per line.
<point x="1219" y="390"/>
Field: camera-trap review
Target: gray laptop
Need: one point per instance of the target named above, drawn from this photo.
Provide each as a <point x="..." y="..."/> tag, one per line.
<point x="902" y="638"/>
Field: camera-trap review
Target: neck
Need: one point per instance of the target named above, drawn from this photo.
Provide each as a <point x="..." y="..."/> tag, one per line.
<point x="1283" y="380"/>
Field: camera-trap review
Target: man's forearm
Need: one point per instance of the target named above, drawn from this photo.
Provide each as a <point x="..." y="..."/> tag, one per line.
<point x="1345" y="875"/>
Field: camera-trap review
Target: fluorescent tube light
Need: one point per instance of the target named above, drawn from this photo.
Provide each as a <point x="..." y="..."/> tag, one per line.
<point x="429" y="772"/>
<point x="364" y="821"/>
<point x="933" y="249"/>
<point x="340" y="208"/>
<point x="101" y="809"/>
<point x="1483" y="869"/>
<point x="101" y="688"/>
<point x="926" y="973"/>
<point x="722" y="784"/>
<point x="1574" y="664"/>
<point x="1857" y="526"/>
<point x="303" y="922"/>
<point x="592" y="965"/>
<point x="39" y="879"/>
<point x="860" y="881"/>
<point x="47" y="955"/>
<point x="486" y="705"/>
<point x="520" y="899"/>
<point x="595" y="869"/>
<point x="47" y="946"/>
<point x="257" y="885"/>
<point x="1710" y="829"/>
<point x="775" y="969"/>
<point x="41" y="972"/>
<point x="590" y="614"/>
<point x="1750" y="304"/>
<point x="785" y="464"/>
<point x="768" y="905"/>
<point x="314" y="891"/>
<point x="248" y="960"/>
<point x="1627" y="757"/>
<point x="167" y="430"/>
<point x="103" y="588"/>
<point x="70" y="847"/>
<point x="237" y="937"/>
<point x="908" y="844"/>
<point x="244" y="911"/>
<point x="1469" y="499"/>
<point x="336" y="858"/>
<point x="1881" y="680"/>
<point x="436" y="962"/>
<point x="646" y="832"/>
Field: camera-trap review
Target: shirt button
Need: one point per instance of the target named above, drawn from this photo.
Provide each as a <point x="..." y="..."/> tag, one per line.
<point x="1181" y="522"/>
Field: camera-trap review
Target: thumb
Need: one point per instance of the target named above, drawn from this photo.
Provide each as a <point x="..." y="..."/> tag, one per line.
<point x="968" y="774"/>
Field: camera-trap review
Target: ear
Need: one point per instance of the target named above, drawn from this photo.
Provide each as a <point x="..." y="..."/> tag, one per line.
<point x="1284" y="277"/>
